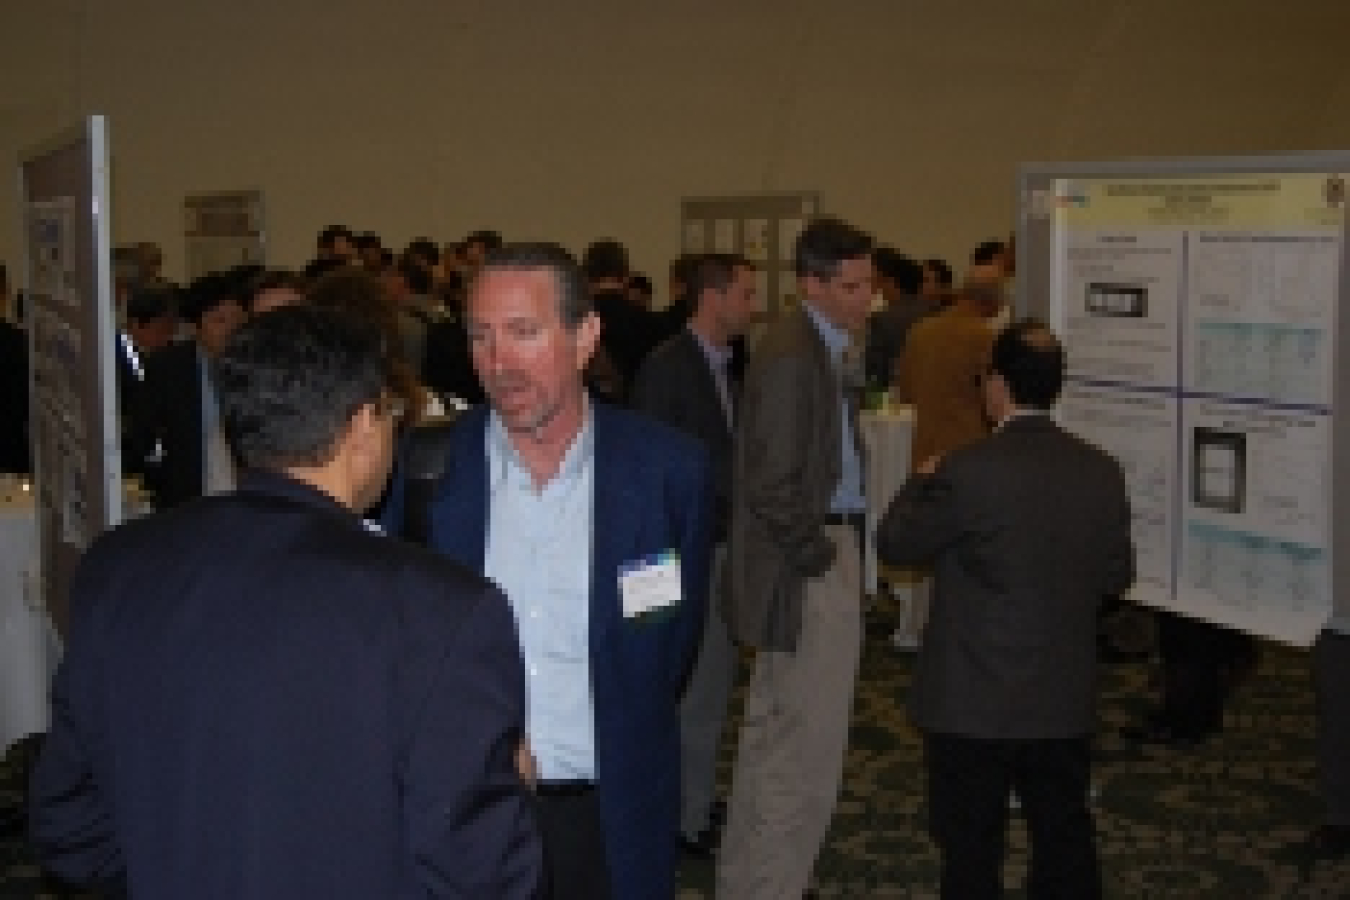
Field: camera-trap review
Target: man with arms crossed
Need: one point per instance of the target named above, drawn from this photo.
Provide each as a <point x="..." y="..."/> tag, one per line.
<point x="595" y="521"/>
<point x="1028" y="531"/>
<point x="259" y="698"/>
<point x="794" y="563"/>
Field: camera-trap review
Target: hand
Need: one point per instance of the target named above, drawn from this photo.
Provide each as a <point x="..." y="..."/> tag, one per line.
<point x="525" y="764"/>
<point x="930" y="465"/>
<point x="815" y="560"/>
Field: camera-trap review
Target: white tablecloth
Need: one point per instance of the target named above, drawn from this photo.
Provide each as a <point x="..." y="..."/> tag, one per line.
<point x="29" y="647"/>
<point x="887" y="435"/>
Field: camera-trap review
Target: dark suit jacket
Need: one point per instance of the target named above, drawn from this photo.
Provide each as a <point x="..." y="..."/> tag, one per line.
<point x="1028" y="531"/>
<point x="786" y="469"/>
<point x="447" y="366"/>
<point x="16" y="453"/>
<point x="887" y="330"/>
<point x="676" y="385"/>
<point x="651" y="494"/>
<point x="627" y="332"/>
<point x="261" y="699"/>
<point x="166" y="413"/>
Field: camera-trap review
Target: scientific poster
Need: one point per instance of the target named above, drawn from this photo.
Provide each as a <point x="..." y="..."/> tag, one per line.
<point x="59" y="404"/>
<point x="1120" y="305"/>
<point x="1199" y="318"/>
<point x="1137" y="429"/>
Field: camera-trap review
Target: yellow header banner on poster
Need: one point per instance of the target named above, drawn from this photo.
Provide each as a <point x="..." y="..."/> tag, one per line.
<point x="1294" y="202"/>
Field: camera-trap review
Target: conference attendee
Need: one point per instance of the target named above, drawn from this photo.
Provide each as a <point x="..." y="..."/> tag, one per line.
<point x="408" y="287"/>
<point x="260" y="698"/>
<point x="1028" y="531"/>
<point x="16" y="454"/>
<point x="794" y="561"/>
<point x="941" y="370"/>
<point x="596" y="522"/>
<point x="174" y="431"/>
<point x="355" y="291"/>
<point x="937" y="282"/>
<point x="477" y="246"/>
<point x="628" y="331"/>
<point x="275" y="288"/>
<point x="1331" y="676"/>
<point x="686" y="382"/>
<point x="370" y="251"/>
<point x="991" y="265"/>
<point x="149" y="323"/>
<point x="899" y="280"/>
<point x="336" y="242"/>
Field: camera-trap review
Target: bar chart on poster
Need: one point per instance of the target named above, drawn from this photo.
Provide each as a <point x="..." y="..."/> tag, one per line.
<point x="1197" y="303"/>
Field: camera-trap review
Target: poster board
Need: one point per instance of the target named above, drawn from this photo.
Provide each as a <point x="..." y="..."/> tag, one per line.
<point x="68" y="273"/>
<point x="1198" y="303"/>
<point x="222" y="230"/>
<point x="761" y="227"/>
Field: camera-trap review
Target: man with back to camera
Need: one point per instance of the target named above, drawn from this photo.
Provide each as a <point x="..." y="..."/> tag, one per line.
<point x="260" y="698"/>
<point x="596" y="523"/>
<point x="794" y="562"/>
<point x="687" y="383"/>
<point x="1028" y="531"/>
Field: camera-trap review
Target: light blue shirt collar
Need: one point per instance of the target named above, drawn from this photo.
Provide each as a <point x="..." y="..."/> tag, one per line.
<point x="508" y="464"/>
<point x="835" y="338"/>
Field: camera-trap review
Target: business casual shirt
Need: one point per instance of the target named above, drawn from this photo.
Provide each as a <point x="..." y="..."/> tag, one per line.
<point x="848" y="496"/>
<point x="539" y="553"/>
<point x="218" y="475"/>
<point x="719" y="358"/>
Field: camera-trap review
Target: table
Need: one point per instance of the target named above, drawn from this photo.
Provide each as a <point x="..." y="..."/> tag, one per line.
<point x="29" y="647"/>
<point x="887" y="435"/>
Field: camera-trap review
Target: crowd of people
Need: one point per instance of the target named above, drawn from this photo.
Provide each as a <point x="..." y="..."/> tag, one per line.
<point x="625" y="498"/>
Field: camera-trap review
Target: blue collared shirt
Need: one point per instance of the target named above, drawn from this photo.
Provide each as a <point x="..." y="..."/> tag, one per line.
<point x="539" y="554"/>
<point x="718" y="360"/>
<point x="848" y="495"/>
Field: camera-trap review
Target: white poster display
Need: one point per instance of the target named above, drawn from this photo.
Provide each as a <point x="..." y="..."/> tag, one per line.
<point x="1120" y="306"/>
<point x="1258" y="321"/>
<point x="1138" y="429"/>
<point x="1199" y="319"/>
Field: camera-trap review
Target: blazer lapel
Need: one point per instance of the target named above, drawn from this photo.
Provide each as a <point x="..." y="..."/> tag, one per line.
<point x="614" y="520"/>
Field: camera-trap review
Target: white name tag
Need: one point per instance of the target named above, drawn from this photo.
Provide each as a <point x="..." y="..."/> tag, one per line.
<point x="651" y="584"/>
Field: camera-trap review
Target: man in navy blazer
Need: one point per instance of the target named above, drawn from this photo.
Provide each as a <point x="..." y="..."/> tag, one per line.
<point x="596" y="523"/>
<point x="260" y="698"/>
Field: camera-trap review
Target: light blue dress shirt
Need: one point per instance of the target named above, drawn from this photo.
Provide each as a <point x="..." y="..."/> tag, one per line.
<point x="848" y="495"/>
<point x="539" y="554"/>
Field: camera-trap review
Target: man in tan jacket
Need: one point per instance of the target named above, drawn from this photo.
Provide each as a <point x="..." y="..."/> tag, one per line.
<point x="942" y="368"/>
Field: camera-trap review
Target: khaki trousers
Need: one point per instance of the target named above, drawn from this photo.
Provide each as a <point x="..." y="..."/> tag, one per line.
<point x="790" y="760"/>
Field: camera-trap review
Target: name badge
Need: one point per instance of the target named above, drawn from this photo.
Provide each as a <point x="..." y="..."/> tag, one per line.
<point x="650" y="585"/>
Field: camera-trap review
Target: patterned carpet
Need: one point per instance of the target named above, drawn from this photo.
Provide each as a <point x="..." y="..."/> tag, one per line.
<point x="1220" y="821"/>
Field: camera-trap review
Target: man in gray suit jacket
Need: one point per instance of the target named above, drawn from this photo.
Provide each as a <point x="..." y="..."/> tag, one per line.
<point x="794" y="585"/>
<point x="1028" y="531"/>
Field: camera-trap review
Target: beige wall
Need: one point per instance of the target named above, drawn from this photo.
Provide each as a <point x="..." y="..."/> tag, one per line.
<point x="572" y="119"/>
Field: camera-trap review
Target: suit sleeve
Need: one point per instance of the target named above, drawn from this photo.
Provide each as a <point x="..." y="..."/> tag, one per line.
<point x="70" y="816"/>
<point x="696" y="540"/>
<point x="922" y="519"/>
<point x="1120" y="561"/>
<point x="772" y="417"/>
<point x="468" y="817"/>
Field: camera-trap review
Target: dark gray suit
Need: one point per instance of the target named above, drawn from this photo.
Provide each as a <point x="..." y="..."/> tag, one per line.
<point x="796" y="596"/>
<point x="1028" y="531"/>
<point x="676" y="385"/>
